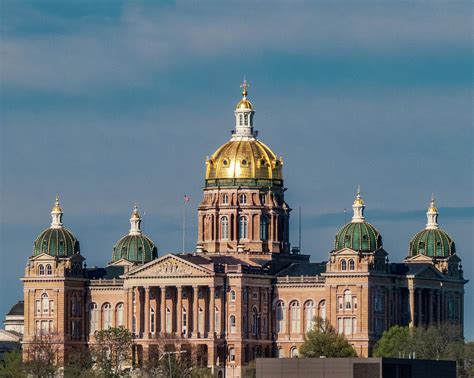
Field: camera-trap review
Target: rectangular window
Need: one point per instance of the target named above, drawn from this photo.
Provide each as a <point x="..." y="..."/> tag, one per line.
<point x="340" y="303"/>
<point x="38" y="306"/>
<point x="38" y="327"/>
<point x="348" y="326"/>
<point x="44" y="327"/>
<point x="354" y="300"/>
<point x="340" y="328"/>
<point x="51" y="307"/>
<point x="354" y="325"/>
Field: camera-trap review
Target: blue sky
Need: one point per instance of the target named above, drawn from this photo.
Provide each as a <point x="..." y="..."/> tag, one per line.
<point x="113" y="103"/>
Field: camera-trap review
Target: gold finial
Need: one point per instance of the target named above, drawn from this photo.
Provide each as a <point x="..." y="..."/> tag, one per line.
<point x="432" y="207"/>
<point x="135" y="214"/>
<point x="358" y="200"/>
<point x="56" y="207"/>
<point x="244" y="86"/>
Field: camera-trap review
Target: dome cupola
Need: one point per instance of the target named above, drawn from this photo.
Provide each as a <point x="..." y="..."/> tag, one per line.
<point x="358" y="235"/>
<point x="135" y="246"/>
<point x="244" y="160"/>
<point x="432" y="241"/>
<point x="56" y="240"/>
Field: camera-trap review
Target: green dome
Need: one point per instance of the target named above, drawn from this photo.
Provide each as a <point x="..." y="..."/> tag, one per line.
<point x="58" y="242"/>
<point x="359" y="236"/>
<point x="135" y="248"/>
<point x="433" y="243"/>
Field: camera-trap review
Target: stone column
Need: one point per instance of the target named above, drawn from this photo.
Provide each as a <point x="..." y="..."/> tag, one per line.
<point x="163" y="310"/>
<point x="212" y="311"/>
<point x="430" y="304"/>
<point x="438" y="307"/>
<point x="138" y="314"/>
<point x="179" y="311"/>
<point x="412" y="305"/>
<point x="195" y="310"/>
<point x="420" y="307"/>
<point x="130" y="308"/>
<point x="146" y="315"/>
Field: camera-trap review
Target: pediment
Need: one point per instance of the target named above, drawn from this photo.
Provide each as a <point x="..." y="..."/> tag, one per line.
<point x="345" y="252"/>
<point x="419" y="259"/>
<point x="43" y="257"/>
<point x="429" y="272"/>
<point x="169" y="266"/>
<point x="121" y="262"/>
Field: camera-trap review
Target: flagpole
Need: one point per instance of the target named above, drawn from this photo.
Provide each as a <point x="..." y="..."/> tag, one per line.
<point x="184" y="225"/>
<point x="299" y="230"/>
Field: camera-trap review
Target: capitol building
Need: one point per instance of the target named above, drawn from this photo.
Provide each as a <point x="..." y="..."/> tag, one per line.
<point x="244" y="293"/>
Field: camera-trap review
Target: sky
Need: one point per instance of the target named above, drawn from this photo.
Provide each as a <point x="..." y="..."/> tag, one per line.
<point x="113" y="103"/>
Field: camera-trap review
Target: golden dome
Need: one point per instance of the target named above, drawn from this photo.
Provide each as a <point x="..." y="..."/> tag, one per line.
<point x="244" y="162"/>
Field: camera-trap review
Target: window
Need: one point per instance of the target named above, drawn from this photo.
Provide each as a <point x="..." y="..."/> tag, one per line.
<point x="216" y="320"/>
<point x="232" y="324"/>
<point x="49" y="270"/>
<point x="225" y="228"/>
<point x="347" y="326"/>
<point x="93" y="318"/>
<point x="295" y="317"/>
<point x="38" y="306"/>
<point x="294" y="352"/>
<point x="281" y="353"/>
<point x="152" y="320"/>
<point x="354" y="303"/>
<point x="255" y="321"/>
<point x="340" y="304"/>
<point x="225" y="199"/>
<point x="75" y="328"/>
<point x="343" y="265"/>
<point x="41" y="270"/>
<point x="184" y="317"/>
<point x="168" y="320"/>
<point x="264" y="228"/>
<point x="45" y="303"/>
<point x="200" y="320"/>
<point x="255" y="295"/>
<point x="351" y="265"/>
<point x="231" y="354"/>
<point x="134" y="325"/>
<point x="51" y="308"/>
<point x="243" y="222"/>
<point x="38" y="327"/>
<point x="106" y="316"/>
<point x="310" y="315"/>
<point x="340" y="328"/>
<point x="233" y="295"/>
<point x="322" y="310"/>
<point x="347" y="300"/>
<point x="120" y="314"/>
<point x="241" y="119"/>
<point x="280" y="317"/>
<point x="263" y="198"/>
<point x="243" y="198"/>
<point x="246" y="119"/>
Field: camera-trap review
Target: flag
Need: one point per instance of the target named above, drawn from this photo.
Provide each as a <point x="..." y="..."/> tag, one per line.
<point x="186" y="198"/>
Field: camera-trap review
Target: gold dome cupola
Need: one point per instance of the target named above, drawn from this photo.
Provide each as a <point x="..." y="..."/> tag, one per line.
<point x="244" y="160"/>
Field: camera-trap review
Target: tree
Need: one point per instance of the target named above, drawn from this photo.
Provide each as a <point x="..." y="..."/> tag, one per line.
<point x="113" y="348"/>
<point x="43" y="356"/>
<point x="12" y="366"/>
<point x="394" y="343"/>
<point x="323" y="340"/>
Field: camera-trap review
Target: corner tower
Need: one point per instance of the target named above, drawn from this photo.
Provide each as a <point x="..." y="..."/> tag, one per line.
<point x="243" y="209"/>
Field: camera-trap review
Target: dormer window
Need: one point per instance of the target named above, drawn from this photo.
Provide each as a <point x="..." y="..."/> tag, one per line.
<point x="225" y="199"/>
<point x="49" y="270"/>
<point x="41" y="270"/>
<point x="343" y="265"/>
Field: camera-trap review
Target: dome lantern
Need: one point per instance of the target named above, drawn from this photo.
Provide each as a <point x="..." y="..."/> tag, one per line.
<point x="56" y="214"/>
<point x="244" y="117"/>
<point x="135" y="222"/>
<point x="432" y="215"/>
<point x="358" y="208"/>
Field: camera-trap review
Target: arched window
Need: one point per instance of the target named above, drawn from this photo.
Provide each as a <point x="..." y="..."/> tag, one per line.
<point x="243" y="222"/>
<point x="241" y="119"/>
<point x="168" y="320"/>
<point x="294" y="352"/>
<point x="120" y="314"/>
<point x="134" y="324"/>
<point x="343" y="265"/>
<point x="255" y="321"/>
<point x="246" y="119"/>
<point x="310" y="315"/>
<point x="263" y="198"/>
<point x="295" y="317"/>
<point x="41" y="270"/>
<point x="281" y="353"/>
<point x="106" y="316"/>
<point x="225" y="228"/>
<point x="243" y="198"/>
<point x="347" y="300"/>
<point x="152" y="320"/>
<point x="93" y="318"/>
<point x="280" y="317"/>
<point x="264" y="228"/>
<point x="322" y="310"/>
<point x="49" y="270"/>
<point x="45" y="303"/>
<point x="225" y="199"/>
<point x="232" y="324"/>
<point x="233" y="295"/>
<point x="231" y="354"/>
<point x="351" y="264"/>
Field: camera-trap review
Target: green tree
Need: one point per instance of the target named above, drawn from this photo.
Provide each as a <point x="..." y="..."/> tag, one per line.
<point x="12" y="365"/>
<point x="112" y="349"/>
<point x="323" y="340"/>
<point x="395" y="342"/>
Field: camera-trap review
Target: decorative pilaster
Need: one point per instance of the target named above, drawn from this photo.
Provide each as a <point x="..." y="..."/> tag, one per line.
<point x="179" y="310"/>
<point x="212" y="311"/>
<point x="163" y="310"/>
<point x="195" y="311"/>
<point x="146" y="316"/>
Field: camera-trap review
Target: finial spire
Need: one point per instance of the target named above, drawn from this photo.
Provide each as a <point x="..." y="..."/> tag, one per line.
<point x="432" y="215"/>
<point x="244" y="86"/>
<point x="358" y="208"/>
<point x="135" y="221"/>
<point x="56" y="214"/>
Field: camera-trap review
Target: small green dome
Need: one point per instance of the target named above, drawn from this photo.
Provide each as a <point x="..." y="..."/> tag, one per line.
<point x="359" y="236"/>
<point x="433" y="243"/>
<point x="135" y="248"/>
<point x="58" y="242"/>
